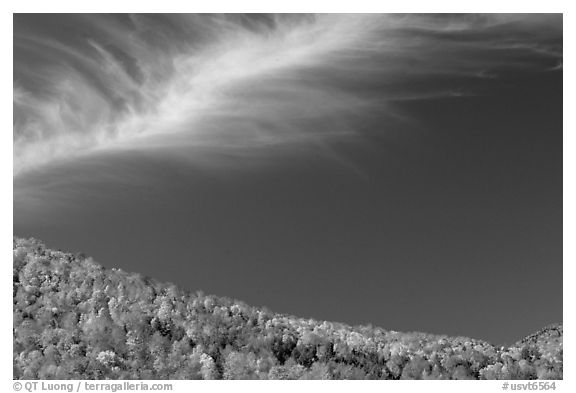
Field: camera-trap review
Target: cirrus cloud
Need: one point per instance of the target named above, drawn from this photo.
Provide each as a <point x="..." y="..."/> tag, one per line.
<point x="85" y="85"/>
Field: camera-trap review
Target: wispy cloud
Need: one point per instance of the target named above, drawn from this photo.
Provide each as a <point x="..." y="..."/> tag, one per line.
<point x="103" y="83"/>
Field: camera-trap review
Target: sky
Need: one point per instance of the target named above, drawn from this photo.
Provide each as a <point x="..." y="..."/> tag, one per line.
<point x="398" y="170"/>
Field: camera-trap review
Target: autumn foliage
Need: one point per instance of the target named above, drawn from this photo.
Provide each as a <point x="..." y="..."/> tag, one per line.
<point x="76" y="319"/>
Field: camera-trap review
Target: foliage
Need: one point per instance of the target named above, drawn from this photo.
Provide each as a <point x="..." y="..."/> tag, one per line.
<point x="75" y="319"/>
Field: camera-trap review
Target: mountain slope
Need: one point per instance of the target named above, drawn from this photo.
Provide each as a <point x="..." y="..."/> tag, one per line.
<point x="76" y="319"/>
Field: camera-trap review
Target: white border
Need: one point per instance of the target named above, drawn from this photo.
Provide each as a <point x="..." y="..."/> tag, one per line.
<point x="548" y="6"/>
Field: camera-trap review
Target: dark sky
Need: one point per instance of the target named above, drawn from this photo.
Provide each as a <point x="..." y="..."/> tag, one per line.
<point x="399" y="170"/>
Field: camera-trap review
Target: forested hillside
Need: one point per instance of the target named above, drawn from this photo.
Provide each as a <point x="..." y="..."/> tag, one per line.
<point x="76" y="319"/>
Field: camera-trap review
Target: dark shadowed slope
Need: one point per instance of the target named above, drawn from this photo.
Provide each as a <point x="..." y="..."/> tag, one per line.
<point x="76" y="319"/>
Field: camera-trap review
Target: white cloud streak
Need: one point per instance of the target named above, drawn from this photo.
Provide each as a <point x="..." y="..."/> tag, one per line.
<point x="233" y="82"/>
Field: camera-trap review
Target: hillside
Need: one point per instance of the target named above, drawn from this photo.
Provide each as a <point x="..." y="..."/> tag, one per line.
<point x="76" y="319"/>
